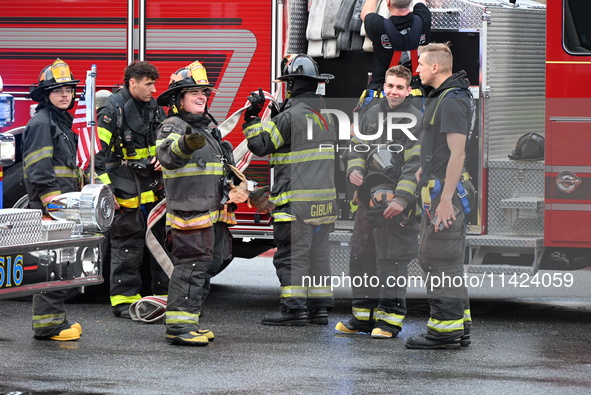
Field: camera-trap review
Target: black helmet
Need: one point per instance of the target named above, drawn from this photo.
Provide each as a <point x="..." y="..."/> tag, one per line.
<point x="191" y="76"/>
<point x="53" y="76"/>
<point x="530" y="146"/>
<point x="301" y="66"/>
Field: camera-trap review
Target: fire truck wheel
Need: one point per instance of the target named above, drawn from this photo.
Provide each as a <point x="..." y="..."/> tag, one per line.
<point x="14" y="192"/>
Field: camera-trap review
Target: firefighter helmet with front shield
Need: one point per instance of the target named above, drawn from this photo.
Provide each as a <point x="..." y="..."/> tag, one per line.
<point x="193" y="76"/>
<point x="530" y="146"/>
<point x="301" y="66"/>
<point x="54" y="76"/>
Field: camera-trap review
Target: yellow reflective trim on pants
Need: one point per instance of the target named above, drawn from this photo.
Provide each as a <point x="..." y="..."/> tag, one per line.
<point x="46" y="320"/>
<point x="181" y="317"/>
<point x="122" y="299"/>
<point x="390" y="318"/>
<point x="445" y="326"/>
<point x="294" y="292"/>
<point x="363" y="314"/>
<point x="319" y="292"/>
<point x="467" y="315"/>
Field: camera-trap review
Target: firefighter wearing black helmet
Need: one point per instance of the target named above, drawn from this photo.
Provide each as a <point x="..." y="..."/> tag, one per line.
<point x="303" y="192"/>
<point x="49" y="157"/>
<point x="127" y="163"/>
<point x="385" y="234"/>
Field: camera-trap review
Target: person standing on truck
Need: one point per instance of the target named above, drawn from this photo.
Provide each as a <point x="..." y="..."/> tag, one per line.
<point x="300" y="142"/>
<point x="127" y="163"/>
<point x="49" y="157"/>
<point x="195" y="163"/>
<point x="385" y="220"/>
<point x="395" y="41"/>
<point x="446" y="191"/>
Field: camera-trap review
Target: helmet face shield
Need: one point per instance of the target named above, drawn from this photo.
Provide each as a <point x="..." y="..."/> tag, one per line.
<point x="188" y="78"/>
<point x="379" y="160"/>
<point x="55" y="75"/>
<point x="381" y="195"/>
<point x="60" y="72"/>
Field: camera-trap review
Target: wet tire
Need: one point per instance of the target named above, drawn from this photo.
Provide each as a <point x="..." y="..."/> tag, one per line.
<point x="13" y="187"/>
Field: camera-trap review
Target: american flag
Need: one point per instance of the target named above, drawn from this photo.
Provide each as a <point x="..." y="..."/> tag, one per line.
<point x="83" y="131"/>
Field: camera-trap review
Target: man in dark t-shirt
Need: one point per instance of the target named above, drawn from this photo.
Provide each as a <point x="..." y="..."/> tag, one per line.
<point x="403" y="19"/>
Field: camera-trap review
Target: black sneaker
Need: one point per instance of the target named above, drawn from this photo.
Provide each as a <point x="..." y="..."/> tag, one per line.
<point x="318" y="316"/>
<point x="282" y="318"/>
<point x="423" y="343"/>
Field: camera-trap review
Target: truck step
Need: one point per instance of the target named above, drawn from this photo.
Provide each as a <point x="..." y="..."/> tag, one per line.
<point x="528" y="203"/>
<point x="500" y="269"/>
<point x="504" y="241"/>
<point x="506" y="246"/>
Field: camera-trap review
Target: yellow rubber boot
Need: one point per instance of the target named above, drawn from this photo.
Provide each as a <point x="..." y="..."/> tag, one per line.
<point x="188" y="339"/>
<point x="67" y="335"/>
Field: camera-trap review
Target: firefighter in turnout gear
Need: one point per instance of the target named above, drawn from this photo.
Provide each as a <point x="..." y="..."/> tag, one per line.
<point x="49" y="157"/>
<point x="446" y="191"/>
<point x="195" y="162"/>
<point x="300" y="142"/>
<point x="127" y="164"/>
<point x="385" y="230"/>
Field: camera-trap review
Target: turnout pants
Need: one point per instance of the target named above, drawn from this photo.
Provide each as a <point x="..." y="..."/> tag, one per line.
<point x="128" y="251"/>
<point x="192" y="252"/>
<point x="49" y="313"/>
<point x="302" y="265"/>
<point x="380" y="300"/>
<point x="441" y="255"/>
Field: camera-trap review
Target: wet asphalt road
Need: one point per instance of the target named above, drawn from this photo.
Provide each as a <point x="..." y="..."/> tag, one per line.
<point x="522" y="343"/>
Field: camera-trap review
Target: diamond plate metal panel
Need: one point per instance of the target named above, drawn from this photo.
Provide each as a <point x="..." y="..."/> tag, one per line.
<point x="513" y="180"/>
<point x="56" y="230"/>
<point x="339" y="252"/>
<point x="504" y="241"/>
<point x="455" y="14"/>
<point x="20" y="226"/>
<point x="500" y="269"/>
<point x="340" y="249"/>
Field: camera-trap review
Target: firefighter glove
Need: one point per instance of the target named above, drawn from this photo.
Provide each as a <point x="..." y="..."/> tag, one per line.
<point x="257" y="101"/>
<point x="194" y="141"/>
<point x="259" y="201"/>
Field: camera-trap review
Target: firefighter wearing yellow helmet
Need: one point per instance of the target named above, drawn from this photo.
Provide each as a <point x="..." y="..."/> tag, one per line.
<point x="49" y="158"/>
<point x="194" y="161"/>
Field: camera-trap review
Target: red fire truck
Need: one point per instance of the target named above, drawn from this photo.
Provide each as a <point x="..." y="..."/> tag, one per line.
<point x="529" y="65"/>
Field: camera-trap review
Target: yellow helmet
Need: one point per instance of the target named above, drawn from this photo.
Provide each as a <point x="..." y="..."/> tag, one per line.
<point x="189" y="77"/>
<point x="55" y="75"/>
